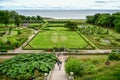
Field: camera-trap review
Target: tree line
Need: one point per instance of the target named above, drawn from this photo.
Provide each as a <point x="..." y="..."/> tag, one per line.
<point x="105" y="20"/>
<point x="8" y="17"/>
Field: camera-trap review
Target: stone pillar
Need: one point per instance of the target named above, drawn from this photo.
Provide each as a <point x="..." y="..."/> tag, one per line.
<point x="45" y="76"/>
<point x="71" y="77"/>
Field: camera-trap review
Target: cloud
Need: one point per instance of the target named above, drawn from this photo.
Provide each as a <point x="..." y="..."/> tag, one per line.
<point x="58" y="4"/>
<point x="107" y="1"/>
<point x="101" y="2"/>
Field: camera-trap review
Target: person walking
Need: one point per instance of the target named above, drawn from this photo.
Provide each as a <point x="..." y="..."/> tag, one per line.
<point x="59" y="63"/>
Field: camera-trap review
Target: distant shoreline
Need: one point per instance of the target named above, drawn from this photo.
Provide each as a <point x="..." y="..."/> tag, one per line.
<point x="64" y="14"/>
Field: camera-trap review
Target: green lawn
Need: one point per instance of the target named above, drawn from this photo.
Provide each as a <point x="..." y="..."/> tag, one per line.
<point x="57" y="37"/>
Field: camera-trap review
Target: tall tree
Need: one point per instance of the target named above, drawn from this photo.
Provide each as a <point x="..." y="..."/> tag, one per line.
<point x="71" y="25"/>
<point x="117" y="27"/>
<point x="1" y="16"/>
<point x="17" y="20"/>
<point x="15" y="16"/>
<point x="6" y="17"/>
<point x="39" y="18"/>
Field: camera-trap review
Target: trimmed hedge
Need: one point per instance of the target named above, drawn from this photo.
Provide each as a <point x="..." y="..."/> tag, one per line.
<point x="87" y="41"/>
<point x="57" y="21"/>
<point x="55" y="25"/>
<point x="35" y="26"/>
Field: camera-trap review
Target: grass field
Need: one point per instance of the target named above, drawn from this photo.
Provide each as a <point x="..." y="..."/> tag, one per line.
<point x="57" y="37"/>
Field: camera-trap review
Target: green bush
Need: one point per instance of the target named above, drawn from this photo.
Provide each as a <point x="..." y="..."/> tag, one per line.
<point x="114" y="56"/>
<point x="13" y="41"/>
<point x="19" y="32"/>
<point x="79" y="67"/>
<point x="74" y="65"/>
<point x="3" y="40"/>
<point x="114" y="42"/>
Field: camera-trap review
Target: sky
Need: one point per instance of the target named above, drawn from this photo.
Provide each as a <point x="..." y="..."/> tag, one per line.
<point x="59" y="4"/>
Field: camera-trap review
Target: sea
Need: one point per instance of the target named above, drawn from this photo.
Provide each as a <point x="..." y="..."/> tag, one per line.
<point x="64" y="14"/>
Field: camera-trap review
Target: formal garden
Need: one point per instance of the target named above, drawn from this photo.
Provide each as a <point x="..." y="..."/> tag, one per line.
<point x="59" y="35"/>
<point x="55" y="33"/>
<point x="101" y="37"/>
<point x="12" y="37"/>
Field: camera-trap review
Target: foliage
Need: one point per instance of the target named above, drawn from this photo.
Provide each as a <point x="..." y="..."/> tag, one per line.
<point x="111" y="72"/>
<point x="94" y="68"/>
<point x="15" y="17"/>
<point x="31" y="19"/>
<point x="117" y="27"/>
<point x="92" y="30"/>
<point x="71" y="25"/>
<point x="23" y="66"/>
<point x="105" y="20"/>
<point x="114" y="56"/>
<point x="87" y="41"/>
<point x="79" y="67"/>
<point x="15" y="39"/>
<point x="35" y="26"/>
<point x="101" y="37"/>
<point x="7" y="17"/>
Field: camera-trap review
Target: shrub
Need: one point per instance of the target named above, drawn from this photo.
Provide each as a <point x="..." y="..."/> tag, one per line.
<point x="13" y="41"/>
<point x="3" y="40"/>
<point x="88" y="68"/>
<point x="117" y="39"/>
<point x="97" y="38"/>
<point x="79" y="67"/>
<point x="74" y="65"/>
<point x="113" y="42"/>
<point x="19" y="32"/>
<point x="114" y="56"/>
